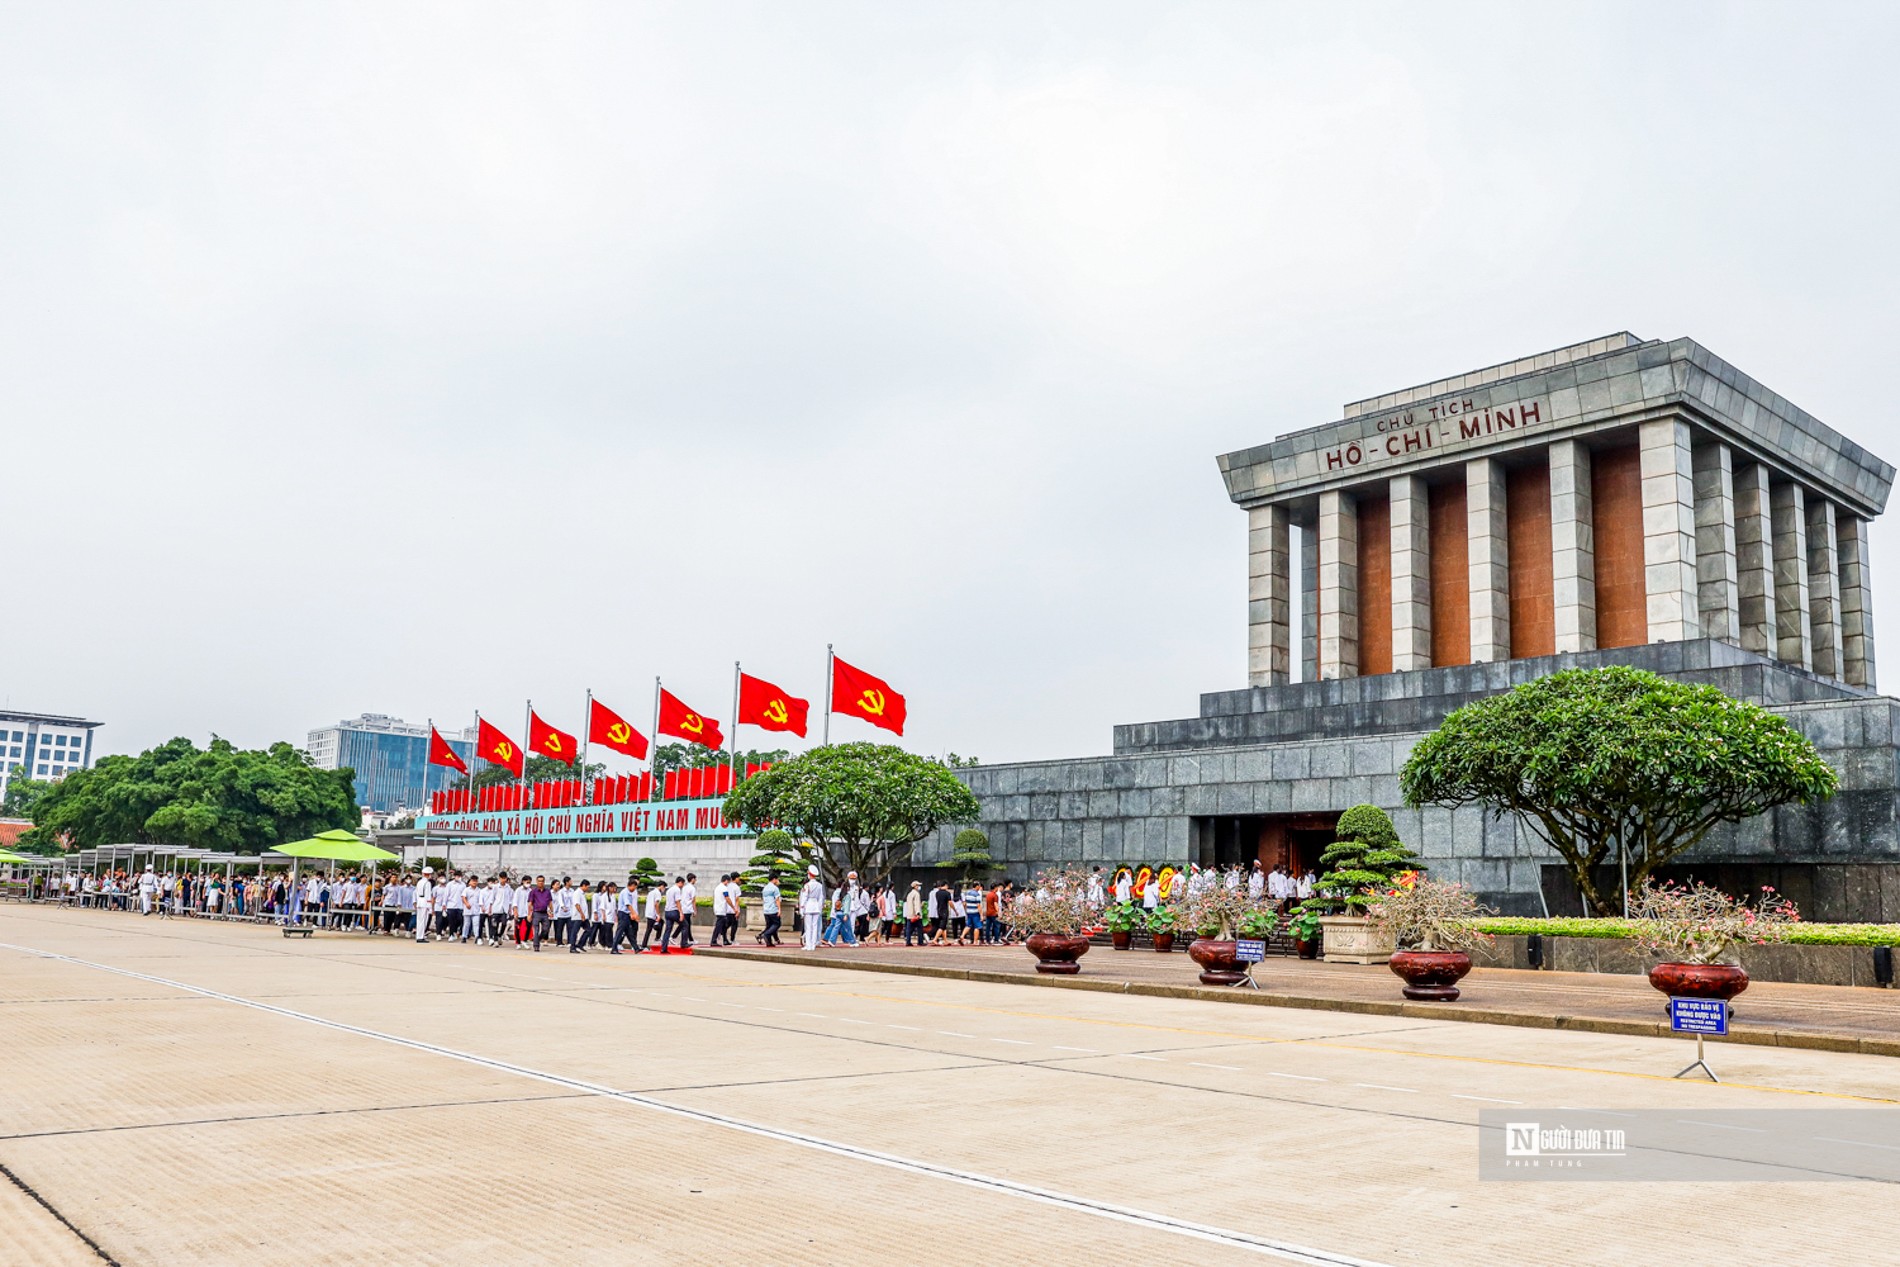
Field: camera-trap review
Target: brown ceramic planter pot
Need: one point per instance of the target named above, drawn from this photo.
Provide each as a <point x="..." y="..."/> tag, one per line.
<point x="1431" y="976"/>
<point x="1217" y="959"/>
<point x="1164" y="942"/>
<point x="1699" y="980"/>
<point x="1119" y="939"/>
<point x="1057" y="952"/>
<point x="1306" y="949"/>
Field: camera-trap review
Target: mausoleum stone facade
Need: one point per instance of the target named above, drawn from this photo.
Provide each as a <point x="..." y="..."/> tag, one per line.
<point x="1616" y="501"/>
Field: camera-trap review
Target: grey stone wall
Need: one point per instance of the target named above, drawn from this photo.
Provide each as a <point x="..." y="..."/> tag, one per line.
<point x="1141" y="803"/>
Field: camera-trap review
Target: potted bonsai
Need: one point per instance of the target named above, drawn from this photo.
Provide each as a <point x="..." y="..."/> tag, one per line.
<point x="1302" y="925"/>
<point x="1434" y="926"/>
<point x="1161" y="926"/>
<point x="1362" y="862"/>
<point x="1699" y="931"/>
<point x="1053" y="913"/>
<point x="1122" y="918"/>
<point x="1220" y="915"/>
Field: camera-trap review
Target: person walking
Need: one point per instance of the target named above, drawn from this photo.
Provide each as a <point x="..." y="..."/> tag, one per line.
<point x="541" y="904"/>
<point x="768" y="907"/>
<point x="148" y="889"/>
<point x="689" y="907"/>
<point x="627" y="917"/>
<point x="670" y="913"/>
<point x="425" y="903"/>
<point x="722" y="911"/>
<point x="811" y="906"/>
<point x="914" y="914"/>
<point x="656" y="902"/>
<point x="580" y="923"/>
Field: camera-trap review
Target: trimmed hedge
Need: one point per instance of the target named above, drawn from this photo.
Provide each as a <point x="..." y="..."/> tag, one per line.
<point x="1805" y="935"/>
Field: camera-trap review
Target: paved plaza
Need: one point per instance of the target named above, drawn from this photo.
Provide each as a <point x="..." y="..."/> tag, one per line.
<point x="189" y="1092"/>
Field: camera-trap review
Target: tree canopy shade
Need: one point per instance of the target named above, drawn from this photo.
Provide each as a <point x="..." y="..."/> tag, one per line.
<point x="1597" y="761"/>
<point x="220" y="797"/>
<point x="864" y="805"/>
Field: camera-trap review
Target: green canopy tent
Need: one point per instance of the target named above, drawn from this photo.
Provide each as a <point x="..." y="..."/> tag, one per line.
<point x="335" y="845"/>
<point x="7" y="855"/>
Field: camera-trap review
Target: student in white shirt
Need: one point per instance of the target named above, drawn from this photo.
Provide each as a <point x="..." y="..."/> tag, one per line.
<point x="656" y="903"/>
<point x="769" y="907"/>
<point x="670" y="912"/>
<point x="689" y="907"/>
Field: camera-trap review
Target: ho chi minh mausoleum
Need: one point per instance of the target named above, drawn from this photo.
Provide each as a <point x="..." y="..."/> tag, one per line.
<point x="1619" y="501"/>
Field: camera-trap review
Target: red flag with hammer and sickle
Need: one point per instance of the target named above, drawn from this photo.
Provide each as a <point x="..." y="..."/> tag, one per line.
<point x="608" y="729"/>
<point x="856" y="693"/>
<point x="764" y="705"/>
<point x="549" y="742"/>
<point x="682" y="722"/>
<point x="498" y="749"/>
<point x="441" y="753"/>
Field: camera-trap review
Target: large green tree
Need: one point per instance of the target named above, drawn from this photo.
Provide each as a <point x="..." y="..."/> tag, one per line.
<point x="22" y="794"/>
<point x="219" y="797"/>
<point x="1601" y="761"/>
<point x="864" y="805"/>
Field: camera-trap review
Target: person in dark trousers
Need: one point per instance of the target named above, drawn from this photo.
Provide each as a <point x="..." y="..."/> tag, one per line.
<point x="581" y="926"/>
<point x="671" y="914"/>
<point x="689" y="906"/>
<point x="627" y="917"/>
<point x="656" y="902"/>
<point x="540" y="902"/>
<point x="769" y="904"/>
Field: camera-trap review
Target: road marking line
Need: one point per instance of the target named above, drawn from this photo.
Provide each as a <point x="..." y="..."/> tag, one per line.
<point x="1204" y="1065"/>
<point x="1858" y="1143"/>
<point x="950" y="1033"/>
<point x="816" y="1016"/>
<point x="1303" y="1077"/>
<point x="912" y="1028"/>
<point x="1484" y="1098"/>
<point x="1019" y="1042"/>
<point x="1009" y="1187"/>
<point x="1374" y="1086"/>
<point x="1722" y="1126"/>
<point x="1090" y="1050"/>
<point x="1135" y="1055"/>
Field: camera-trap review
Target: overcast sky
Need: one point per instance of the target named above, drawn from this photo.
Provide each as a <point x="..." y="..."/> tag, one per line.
<point x="424" y="358"/>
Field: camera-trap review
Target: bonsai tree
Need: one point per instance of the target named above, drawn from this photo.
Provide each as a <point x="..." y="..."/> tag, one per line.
<point x="863" y="805"/>
<point x="1364" y="859"/>
<point x="970" y="855"/>
<point x="779" y="857"/>
<point x="1613" y="762"/>
<point x="1426" y="914"/>
<point x="646" y="873"/>
<point x="1694" y="923"/>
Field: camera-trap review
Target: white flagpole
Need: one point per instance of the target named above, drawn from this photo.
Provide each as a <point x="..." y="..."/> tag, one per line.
<point x="474" y="756"/>
<point x="828" y="671"/>
<point x="587" y="725"/>
<point x="428" y="766"/>
<point x="733" y="739"/>
<point x="653" y="743"/>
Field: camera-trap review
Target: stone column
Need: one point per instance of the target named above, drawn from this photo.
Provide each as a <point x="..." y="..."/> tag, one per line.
<point x="1309" y="603"/>
<point x="1573" y="571"/>
<point x="1824" y="604"/>
<point x="1489" y="559"/>
<point x="1338" y="586"/>
<point x="1857" y="601"/>
<point x="1669" y="573"/>
<point x="1718" y="581"/>
<point x="1788" y="508"/>
<point x="1269" y="596"/>
<point x="1411" y="574"/>
<point x="1755" y="560"/>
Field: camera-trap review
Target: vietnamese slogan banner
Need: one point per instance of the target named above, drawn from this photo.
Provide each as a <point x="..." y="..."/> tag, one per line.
<point x="647" y="820"/>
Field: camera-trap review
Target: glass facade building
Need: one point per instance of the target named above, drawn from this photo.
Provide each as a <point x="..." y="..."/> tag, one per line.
<point x="391" y="760"/>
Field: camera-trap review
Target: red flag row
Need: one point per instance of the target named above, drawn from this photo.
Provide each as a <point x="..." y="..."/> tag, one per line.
<point x="696" y="783"/>
<point x="854" y="693"/>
